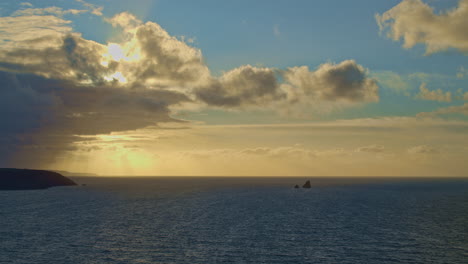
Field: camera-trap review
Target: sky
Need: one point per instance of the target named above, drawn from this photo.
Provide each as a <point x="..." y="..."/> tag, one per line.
<point x="235" y="88"/>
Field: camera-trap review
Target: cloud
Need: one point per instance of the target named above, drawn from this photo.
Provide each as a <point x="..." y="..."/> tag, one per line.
<point x="26" y="4"/>
<point x="419" y="160"/>
<point x="462" y="109"/>
<point x="95" y="10"/>
<point x="48" y="11"/>
<point x="415" y="85"/>
<point x="47" y="46"/>
<point x="30" y="33"/>
<point x="371" y="149"/>
<point x="166" y="60"/>
<point x="398" y="83"/>
<point x="435" y="95"/>
<point x="125" y="20"/>
<point x="58" y="11"/>
<point x="57" y="54"/>
<point x="416" y="23"/>
<point x="423" y="149"/>
<point x="58" y="85"/>
<point x="246" y="85"/>
<point x="55" y="82"/>
<point x="150" y="56"/>
<point x="462" y="73"/>
<point x="327" y="148"/>
<point x="39" y="109"/>
<point x="346" y="81"/>
<point x="296" y="153"/>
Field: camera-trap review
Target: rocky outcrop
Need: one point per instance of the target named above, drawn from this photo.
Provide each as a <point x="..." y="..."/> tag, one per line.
<point x="307" y="185"/>
<point x="18" y="179"/>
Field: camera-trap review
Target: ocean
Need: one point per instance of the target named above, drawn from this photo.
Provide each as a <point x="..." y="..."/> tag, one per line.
<point x="237" y="220"/>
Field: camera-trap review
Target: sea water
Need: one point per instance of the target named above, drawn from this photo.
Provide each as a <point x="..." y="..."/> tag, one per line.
<point x="237" y="220"/>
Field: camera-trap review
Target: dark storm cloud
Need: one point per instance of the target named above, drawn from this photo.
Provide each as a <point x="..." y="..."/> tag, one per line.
<point x="84" y="58"/>
<point x="95" y="107"/>
<point x="49" y="112"/>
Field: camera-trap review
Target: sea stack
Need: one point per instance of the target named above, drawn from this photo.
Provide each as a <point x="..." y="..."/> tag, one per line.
<point x="296" y="187"/>
<point x="307" y="185"/>
<point x="17" y="179"/>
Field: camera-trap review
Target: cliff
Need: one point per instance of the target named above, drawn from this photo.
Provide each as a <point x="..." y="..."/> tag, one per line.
<point x="18" y="179"/>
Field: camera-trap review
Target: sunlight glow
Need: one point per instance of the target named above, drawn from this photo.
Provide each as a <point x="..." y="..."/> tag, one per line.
<point x="116" y="76"/>
<point x="116" y="52"/>
<point x="124" y="55"/>
<point x="127" y="52"/>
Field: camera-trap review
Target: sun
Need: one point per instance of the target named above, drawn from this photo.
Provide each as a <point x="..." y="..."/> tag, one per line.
<point x="126" y="52"/>
<point x="116" y="52"/>
<point x="116" y="76"/>
<point x="125" y="55"/>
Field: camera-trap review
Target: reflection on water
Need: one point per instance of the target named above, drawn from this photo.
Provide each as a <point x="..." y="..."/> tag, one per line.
<point x="237" y="220"/>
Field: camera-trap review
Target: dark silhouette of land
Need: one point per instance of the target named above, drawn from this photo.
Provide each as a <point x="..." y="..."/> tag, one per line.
<point x="22" y="179"/>
<point x="75" y="174"/>
<point x="307" y="185"/>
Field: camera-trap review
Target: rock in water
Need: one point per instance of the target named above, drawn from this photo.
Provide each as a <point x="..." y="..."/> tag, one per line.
<point x="16" y="179"/>
<point x="296" y="187"/>
<point x="307" y="185"/>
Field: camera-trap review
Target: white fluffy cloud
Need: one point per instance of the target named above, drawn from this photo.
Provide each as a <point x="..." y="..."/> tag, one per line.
<point x="149" y="56"/>
<point x="245" y="85"/>
<point x="94" y="9"/>
<point x="31" y="32"/>
<point x="433" y="95"/>
<point x="416" y="23"/>
<point x="346" y="81"/>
